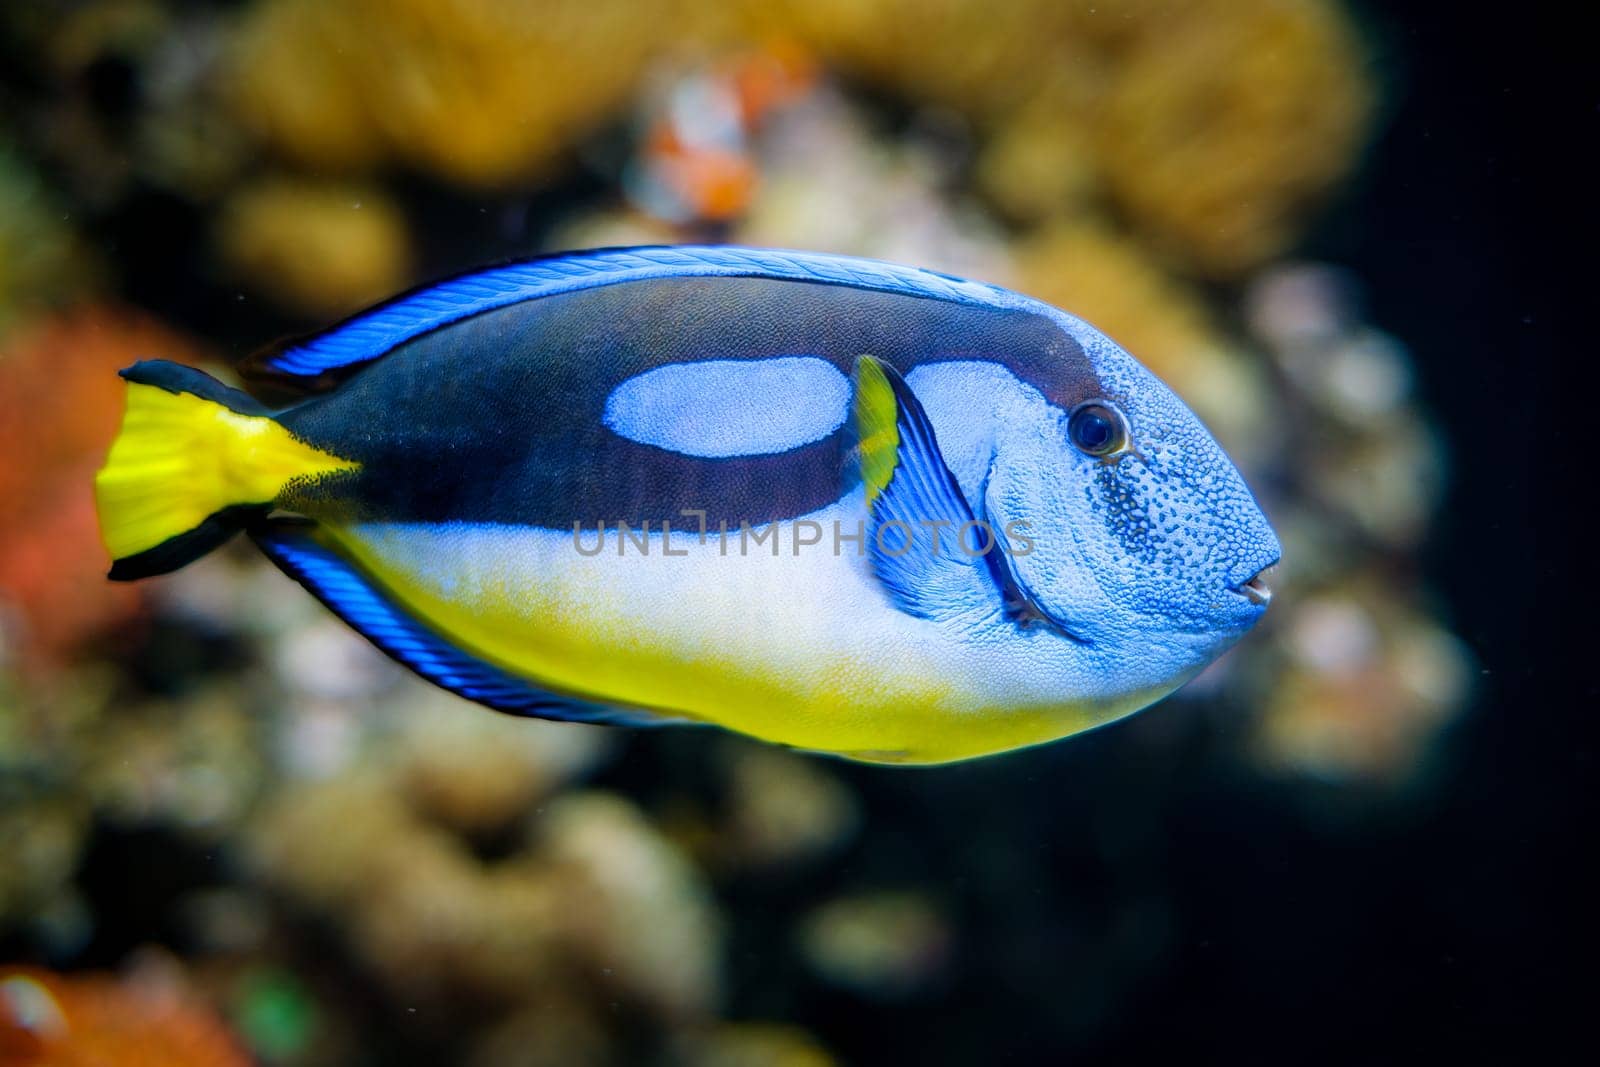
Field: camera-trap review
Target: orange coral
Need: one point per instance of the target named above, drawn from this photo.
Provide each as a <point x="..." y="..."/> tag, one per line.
<point x="50" y="1020"/>
<point x="60" y="402"/>
<point x="698" y="161"/>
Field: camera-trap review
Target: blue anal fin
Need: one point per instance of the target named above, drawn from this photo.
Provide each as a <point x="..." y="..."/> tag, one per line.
<point x="363" y="605"/>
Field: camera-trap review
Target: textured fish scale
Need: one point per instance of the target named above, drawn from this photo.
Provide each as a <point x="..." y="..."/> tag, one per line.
<point x="375" y="332"/>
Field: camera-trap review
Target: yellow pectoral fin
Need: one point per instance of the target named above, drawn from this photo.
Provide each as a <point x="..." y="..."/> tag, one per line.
<point x="877" y="435"/>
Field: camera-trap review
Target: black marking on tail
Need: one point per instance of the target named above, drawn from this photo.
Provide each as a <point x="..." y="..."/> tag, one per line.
<point x="178" y="378"/>
<point x="185" y="548"/>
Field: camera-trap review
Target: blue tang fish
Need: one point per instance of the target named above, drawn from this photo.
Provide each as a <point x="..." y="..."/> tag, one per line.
<point x="836" y="504"/>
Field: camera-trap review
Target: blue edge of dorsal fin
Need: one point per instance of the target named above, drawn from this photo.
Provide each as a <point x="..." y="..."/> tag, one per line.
<point x="357" y="600"/>
<point x="372" y="333"/>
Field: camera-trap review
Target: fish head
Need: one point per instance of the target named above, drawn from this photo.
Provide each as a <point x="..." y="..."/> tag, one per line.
<point x="1142" y="539"/>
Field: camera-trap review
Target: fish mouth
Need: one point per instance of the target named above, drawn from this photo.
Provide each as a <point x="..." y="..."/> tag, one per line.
<point x="1258" y="587"/>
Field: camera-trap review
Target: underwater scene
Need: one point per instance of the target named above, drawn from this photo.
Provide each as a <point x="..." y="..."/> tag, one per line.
<point x="234" y="831"/>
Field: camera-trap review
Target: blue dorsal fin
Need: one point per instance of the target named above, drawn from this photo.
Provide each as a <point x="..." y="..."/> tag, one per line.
<point x="918" y="510"/>
<point x="356" y="599"/>
<point x="371" y="334"/>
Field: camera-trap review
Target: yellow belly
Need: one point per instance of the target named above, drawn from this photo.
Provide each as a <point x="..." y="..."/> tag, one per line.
<point x="786" y="649"/>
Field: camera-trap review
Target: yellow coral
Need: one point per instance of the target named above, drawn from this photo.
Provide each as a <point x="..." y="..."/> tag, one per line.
<point x="324" y="249"/>
<point x="751" y="1045"/>
<point x="601" y="890"/>
<point x="1227" y="120"/>
<point x="1210" y="123"/>
<point x="1113" y="283"/>
<point x="783" y="808"/>
<point x="41" y="260"/>
<point x="415" y="901"/>
<point x="479" y="773"/>
<point x="880" y="943"/>
<point x="1036" y="167"/>
<point x="481" y="92"/>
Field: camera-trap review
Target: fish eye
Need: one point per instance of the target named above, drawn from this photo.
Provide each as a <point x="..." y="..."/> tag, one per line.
<point x="1097" y="428"/>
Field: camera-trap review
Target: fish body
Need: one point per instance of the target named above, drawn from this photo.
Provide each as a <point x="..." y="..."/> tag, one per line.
<point x="837" y="504"/>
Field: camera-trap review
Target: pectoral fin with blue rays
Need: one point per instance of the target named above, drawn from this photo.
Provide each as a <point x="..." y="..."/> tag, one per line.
<point x="832" y="503"/>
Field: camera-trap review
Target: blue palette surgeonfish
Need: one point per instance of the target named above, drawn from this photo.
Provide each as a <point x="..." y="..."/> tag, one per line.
<point x="836" y="504"/>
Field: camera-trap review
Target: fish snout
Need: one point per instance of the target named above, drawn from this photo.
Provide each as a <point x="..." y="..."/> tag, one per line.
<point x="1258" y="587"/>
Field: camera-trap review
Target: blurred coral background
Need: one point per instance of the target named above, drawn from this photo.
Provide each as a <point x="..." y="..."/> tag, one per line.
<point x="231" y="832"/>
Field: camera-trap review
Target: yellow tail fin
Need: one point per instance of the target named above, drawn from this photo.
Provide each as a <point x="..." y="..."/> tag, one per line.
<point x="193" y="459"/>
